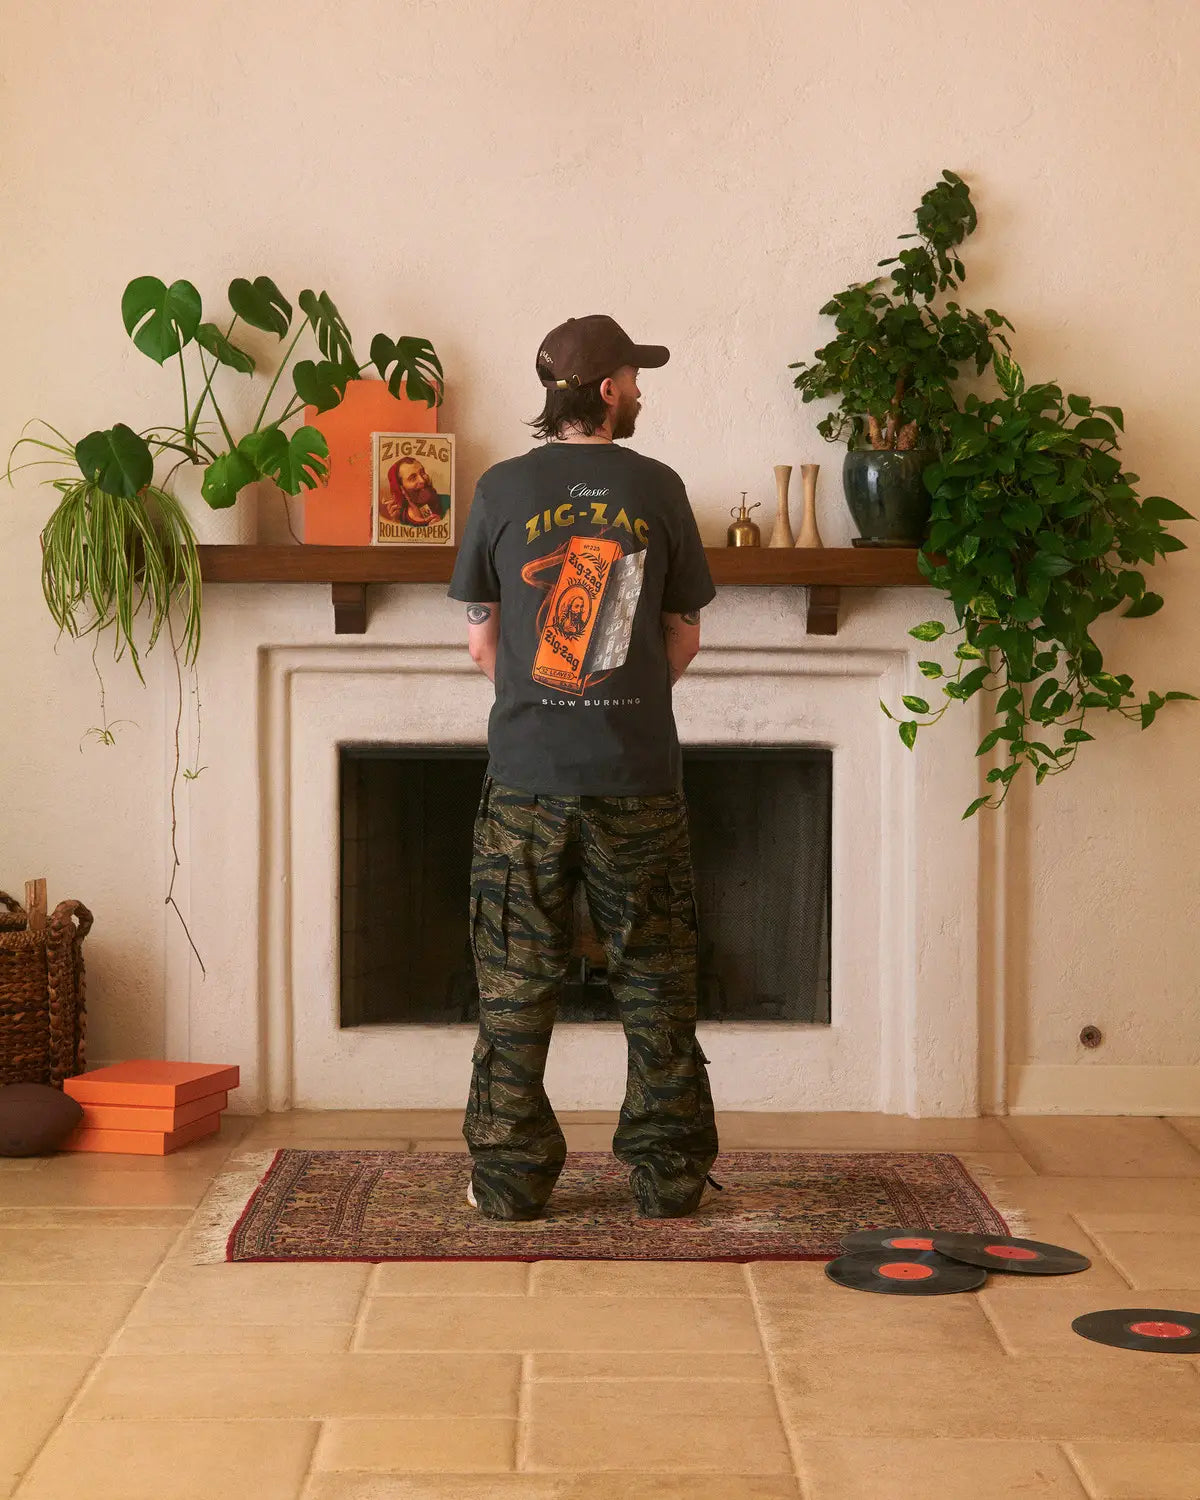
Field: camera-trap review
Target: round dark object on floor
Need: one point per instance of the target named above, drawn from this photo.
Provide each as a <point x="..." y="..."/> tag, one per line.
<point x="35" y="1119"/>
<point x="1000" y="1252"/>
<point x="922" y="1273"/>
<point x="1154" y="1330"/>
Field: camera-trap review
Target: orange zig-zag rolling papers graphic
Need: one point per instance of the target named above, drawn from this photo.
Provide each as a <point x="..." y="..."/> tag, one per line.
<point x="573" y="612"/>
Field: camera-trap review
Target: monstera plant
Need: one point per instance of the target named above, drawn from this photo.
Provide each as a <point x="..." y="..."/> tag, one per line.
<point x="119" y="549"/>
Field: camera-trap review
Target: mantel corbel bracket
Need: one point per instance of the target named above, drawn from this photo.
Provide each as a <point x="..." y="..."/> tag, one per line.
<point x="349" y="608"/>
<point x="824" y="601"/>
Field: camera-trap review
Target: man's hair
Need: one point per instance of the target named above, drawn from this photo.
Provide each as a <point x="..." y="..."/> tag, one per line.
<point x="581" y="407"/>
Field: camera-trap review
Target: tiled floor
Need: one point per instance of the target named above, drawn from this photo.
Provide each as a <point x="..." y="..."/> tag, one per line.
<point x="129" y="1373"/>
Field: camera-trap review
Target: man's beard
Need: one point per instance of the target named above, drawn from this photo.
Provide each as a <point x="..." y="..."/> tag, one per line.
<point x="426" y="495"/>
<point x="625" y="418"/>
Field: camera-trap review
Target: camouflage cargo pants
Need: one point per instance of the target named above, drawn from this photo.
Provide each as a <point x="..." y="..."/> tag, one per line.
<point x="633" y="855"/>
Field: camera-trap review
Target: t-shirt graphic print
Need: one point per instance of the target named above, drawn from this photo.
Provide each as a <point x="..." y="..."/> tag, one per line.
<point x="584" y="546"/>
<point x="586" y="623"/>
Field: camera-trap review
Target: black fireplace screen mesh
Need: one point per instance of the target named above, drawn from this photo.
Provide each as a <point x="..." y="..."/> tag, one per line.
<point x="760" y="827"/>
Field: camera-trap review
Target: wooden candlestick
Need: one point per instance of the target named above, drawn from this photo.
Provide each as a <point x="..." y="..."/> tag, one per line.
<point x="809" y="535"/>
<point x="782" y="535"/>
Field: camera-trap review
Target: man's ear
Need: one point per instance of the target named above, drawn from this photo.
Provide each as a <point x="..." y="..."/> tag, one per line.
<point x="608" y="391"/>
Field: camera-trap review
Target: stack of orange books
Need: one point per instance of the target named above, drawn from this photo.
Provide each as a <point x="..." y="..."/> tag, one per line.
<point x="148" y="1108"/>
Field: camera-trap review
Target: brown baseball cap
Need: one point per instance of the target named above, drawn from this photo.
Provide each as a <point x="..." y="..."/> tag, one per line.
<point x="583" y="350"/>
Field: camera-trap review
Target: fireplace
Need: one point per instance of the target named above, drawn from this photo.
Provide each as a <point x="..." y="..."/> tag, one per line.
<point x="889" y="1016"/>
<point x="760" y="821"/>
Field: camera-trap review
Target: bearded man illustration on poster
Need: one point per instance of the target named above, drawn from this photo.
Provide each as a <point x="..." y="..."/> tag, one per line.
<point x="414" y="488"/>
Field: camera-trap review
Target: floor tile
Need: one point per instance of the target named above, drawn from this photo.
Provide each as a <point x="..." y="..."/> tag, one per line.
<point x="351" y="1125"/>
<point x="680" y="1365"/>
<point x="1155" y="1259"/>
<point x="1139" y="1471"/>
<point x="876" y="1324"/>
<point x="640" y="1278"/>
<point x="233" y="1338"/>
<point x="1103" y="1145"/>
<point x="946" y="1394"/>
<point x="137" y="1460"/>
<point x="463" y="1445"/>
<point x="835" y="1131"/>
<point x="899" y="1468"/>
<point x="1083" y="1195"/>
<point x="605" y="1486"/>
<point x="103" y="1187"/>
<point x="451" y="1278"/>
<point x="1188" y="1126"/>
<point x="554" y="1322"/>
<point x="315" y="1386"/>
<point x="34" y="1392"/>
<point x="59" y="1216"/>
<point x="244" y="1292"/>
<point x="643" y="1425"/>
<point x="1139" y="1223"/>
<point x="82" y="1252"/>
<point x="1039" y="1321"/>
<point x="62" y="1317"/>
<point x="788" y="1278"/>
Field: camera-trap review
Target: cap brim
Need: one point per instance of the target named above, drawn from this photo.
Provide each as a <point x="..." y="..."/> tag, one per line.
<point x="649" y="356"/>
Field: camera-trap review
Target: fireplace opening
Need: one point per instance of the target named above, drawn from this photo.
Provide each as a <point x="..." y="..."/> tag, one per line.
<point x="760" y="822"/>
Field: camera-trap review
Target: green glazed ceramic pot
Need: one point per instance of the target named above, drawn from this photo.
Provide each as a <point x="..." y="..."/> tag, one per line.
<point x="886" y="495"/>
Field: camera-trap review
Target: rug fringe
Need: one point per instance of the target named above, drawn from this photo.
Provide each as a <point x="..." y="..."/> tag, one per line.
<point x="204" y="1241"/>
<point x="989" y="1183"/>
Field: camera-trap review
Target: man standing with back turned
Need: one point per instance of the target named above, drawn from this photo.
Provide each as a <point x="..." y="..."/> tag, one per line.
<point x="584" y="577"/>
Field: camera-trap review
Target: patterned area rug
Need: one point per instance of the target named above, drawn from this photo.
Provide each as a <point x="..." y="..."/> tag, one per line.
<point x="775" y="1205"/>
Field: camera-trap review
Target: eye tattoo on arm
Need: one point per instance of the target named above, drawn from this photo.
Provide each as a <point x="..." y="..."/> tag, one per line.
<point x="691" y="618"/>
<point x="478" y="613"/>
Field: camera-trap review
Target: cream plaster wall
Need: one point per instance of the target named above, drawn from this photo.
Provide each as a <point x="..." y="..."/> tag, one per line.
<point x="710" y="174"/>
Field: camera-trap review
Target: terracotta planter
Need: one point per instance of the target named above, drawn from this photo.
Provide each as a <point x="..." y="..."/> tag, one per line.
<point x="338" y="512"/>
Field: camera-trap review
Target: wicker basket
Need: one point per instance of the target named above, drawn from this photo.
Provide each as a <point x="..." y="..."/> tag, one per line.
<point x="41" y="988"/>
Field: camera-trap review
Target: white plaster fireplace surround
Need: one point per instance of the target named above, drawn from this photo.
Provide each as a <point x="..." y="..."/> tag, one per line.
<point x="259" y="843"/>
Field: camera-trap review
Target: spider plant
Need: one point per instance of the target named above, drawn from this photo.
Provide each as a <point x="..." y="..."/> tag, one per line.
<point x="117" y="546"/>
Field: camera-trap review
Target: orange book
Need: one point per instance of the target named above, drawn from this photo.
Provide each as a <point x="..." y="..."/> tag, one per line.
<point x="149" y="1116"/>
<point x="165" y="1085"/>
<point x="572" y="613"/>
<point x="140" y="1142"/>
<point x="338" y="511"/>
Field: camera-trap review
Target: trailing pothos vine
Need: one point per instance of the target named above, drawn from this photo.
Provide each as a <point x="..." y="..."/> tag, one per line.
<point x="1036" y="531"/>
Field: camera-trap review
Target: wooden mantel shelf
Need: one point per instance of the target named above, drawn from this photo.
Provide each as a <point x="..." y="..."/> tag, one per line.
<point x="824" y="571"/>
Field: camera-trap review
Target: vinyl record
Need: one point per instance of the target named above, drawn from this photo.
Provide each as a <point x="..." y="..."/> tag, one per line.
<point x="1156" y="1330"/>
<point x="998" y="1252"/>
<point x="889" y="1239"/>
<point x="923" y="1273"/>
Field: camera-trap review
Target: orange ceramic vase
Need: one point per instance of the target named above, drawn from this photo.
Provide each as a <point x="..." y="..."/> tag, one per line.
<point x="338" y="512"/>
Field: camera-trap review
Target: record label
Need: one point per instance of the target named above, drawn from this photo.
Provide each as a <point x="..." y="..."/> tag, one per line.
<point x="921" y="1273"/>
<point x="1153" y="1330"/>
<point x="1005" y="1253"/>
<point x="888" y="1239"/>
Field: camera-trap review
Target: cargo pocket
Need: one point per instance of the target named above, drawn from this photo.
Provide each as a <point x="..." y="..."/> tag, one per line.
<point x="481" y="1077"/>
<point x="489" y="916"/>
<point x="684" y="918"/>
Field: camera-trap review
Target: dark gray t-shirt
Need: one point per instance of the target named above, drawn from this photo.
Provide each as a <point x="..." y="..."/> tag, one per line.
<point x="584" y="546"/>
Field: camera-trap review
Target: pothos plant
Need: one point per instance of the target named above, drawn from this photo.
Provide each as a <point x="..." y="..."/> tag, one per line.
<point x="896" y="357"/>
<point x="1036" y="532"/>
<point x="119" y="545"/>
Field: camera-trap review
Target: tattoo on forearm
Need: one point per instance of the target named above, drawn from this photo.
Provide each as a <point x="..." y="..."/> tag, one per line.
<point x="691" y="618"/>
<point x="478" y="613"/>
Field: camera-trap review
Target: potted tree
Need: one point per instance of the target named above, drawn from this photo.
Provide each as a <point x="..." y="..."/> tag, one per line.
<point x="892" y="367"/>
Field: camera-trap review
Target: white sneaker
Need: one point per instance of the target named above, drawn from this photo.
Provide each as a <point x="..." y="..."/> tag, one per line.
<point x="471" y="1196"/>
